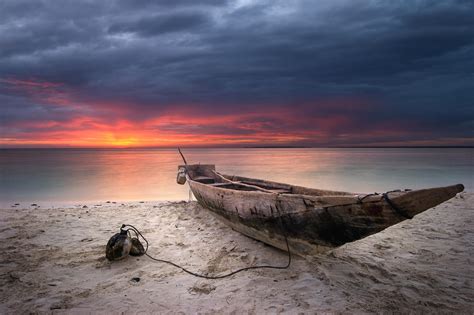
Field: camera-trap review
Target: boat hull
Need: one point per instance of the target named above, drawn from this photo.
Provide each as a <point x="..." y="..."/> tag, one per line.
<point x="314" y="224"/>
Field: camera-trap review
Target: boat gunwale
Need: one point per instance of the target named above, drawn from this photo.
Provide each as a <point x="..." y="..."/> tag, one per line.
<point x="370" y="199"/>
<point x="321" y="198"/>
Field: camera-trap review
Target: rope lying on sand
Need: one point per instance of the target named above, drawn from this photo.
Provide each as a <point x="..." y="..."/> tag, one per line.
<point x="138" y="233"/>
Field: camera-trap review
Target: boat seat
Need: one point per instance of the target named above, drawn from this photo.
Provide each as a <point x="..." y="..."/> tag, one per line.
<point x="204" y="179"/>
<point x="278" y="191"/>
<point x="220" y="184"/>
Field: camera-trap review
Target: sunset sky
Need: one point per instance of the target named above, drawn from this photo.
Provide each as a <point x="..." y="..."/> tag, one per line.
<point x="141" y="73"/>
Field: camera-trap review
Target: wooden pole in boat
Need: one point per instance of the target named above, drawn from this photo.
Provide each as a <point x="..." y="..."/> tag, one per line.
<point x="179" y="150"/>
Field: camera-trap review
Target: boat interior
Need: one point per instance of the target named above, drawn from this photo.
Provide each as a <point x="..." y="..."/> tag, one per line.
<point x="207" y="174"/>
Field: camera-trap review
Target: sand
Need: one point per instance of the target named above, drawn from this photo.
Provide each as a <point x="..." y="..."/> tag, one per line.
<point x="53" y="261"/>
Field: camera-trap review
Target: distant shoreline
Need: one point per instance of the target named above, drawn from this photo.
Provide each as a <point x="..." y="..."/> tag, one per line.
<point x="245" y="147"/>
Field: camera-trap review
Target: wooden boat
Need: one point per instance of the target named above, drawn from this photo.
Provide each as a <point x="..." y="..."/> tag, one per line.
<point x="312" y="220"/>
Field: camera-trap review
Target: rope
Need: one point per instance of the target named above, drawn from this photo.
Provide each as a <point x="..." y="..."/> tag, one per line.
<point x="359" y="199"/>
<point x="385" y="197"/>
<point x="137" y="232"/>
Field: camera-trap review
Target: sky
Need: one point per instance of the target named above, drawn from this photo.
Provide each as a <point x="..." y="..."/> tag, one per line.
<point x="139" y="73"/>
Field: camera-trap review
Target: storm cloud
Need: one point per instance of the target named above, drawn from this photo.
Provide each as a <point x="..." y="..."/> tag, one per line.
<point x="336" y="72"/>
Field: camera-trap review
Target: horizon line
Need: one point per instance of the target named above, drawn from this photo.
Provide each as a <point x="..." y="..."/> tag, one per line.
<point x="245" y="147"/>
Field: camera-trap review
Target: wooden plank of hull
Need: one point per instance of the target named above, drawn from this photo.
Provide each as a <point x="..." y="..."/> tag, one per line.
<point x="254" y="214"/>
<point x="312" y="223"/>
<point x="306" y="223"/>
<point x="342" y="223"/>
<point x="416" y="201"/>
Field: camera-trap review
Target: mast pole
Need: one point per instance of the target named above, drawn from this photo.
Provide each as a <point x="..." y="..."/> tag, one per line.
<point x="179" y="150"/>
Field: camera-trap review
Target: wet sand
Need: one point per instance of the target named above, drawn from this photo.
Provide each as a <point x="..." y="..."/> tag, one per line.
<point x="53" y="260"/>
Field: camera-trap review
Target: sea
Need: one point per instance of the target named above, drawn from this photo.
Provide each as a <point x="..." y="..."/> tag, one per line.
<point x="88" y="175"/>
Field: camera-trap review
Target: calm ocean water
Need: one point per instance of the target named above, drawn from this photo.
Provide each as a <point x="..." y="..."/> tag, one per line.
<point x="149" y="174"/>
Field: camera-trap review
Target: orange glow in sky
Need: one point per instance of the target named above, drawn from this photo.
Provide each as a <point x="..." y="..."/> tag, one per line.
<point x="71" y="121"/>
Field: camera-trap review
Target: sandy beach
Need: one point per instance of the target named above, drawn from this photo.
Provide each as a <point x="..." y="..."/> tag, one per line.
<point x="53" y="261"/>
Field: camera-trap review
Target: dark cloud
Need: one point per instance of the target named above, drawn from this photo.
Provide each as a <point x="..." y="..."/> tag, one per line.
<point x="156" y="25"/>
<point x="412" y="62"/>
